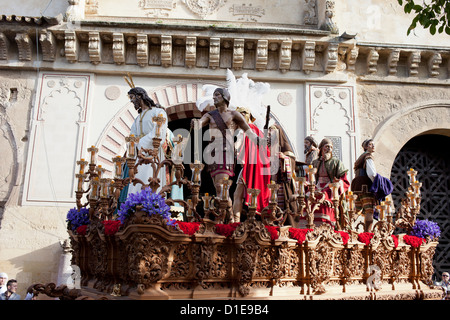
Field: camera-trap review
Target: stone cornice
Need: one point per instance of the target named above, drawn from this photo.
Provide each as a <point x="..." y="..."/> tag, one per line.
<point x="184" y="51"/>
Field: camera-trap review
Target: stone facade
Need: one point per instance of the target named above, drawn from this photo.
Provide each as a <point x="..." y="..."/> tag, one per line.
<point x="341" y="69"/>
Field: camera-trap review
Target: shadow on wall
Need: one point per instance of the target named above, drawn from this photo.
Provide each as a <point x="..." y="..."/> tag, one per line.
<point x="39" y="266"/>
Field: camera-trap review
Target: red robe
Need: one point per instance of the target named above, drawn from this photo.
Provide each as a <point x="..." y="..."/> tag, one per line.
<point x="256" y="169"/>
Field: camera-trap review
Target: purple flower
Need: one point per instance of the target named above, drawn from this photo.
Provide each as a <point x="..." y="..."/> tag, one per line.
<point x="151" y="202"/>
<point x="77" y="218"/>
<point x="426" y="228"/>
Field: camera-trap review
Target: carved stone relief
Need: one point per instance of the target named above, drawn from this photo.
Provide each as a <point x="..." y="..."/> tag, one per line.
<point x="247" y="12"/>
<point x="157" y="8"/>
<point x="204" y="8"/>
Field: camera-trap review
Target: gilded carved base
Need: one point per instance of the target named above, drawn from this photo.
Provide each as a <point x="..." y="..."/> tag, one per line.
<point x="150" y="260"/>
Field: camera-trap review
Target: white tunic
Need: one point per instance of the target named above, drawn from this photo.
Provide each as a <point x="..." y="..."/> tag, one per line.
<point x="144" y="128"/>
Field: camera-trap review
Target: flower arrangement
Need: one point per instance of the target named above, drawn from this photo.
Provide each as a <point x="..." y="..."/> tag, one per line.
<point x="413" y="241"/>
<point x="298" y="234"/>
<point x="77" y="218"/>
<point x="188" y="227"/>
<point x="395" y="238"/>
<point x="365" y="237"/>
<point x="145" y="200"/>
<point x="111" y="226"/>
<point x="426" y="229"/>
<point x="81" y="230"/>
<point x="226" y="229"/>
<point x="273" y="232"/>
<point x="344" y="235"/>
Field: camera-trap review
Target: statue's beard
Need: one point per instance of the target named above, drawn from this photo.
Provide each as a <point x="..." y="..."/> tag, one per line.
<point x="327" y="156"/>
<point x="137" y="105"/>
<point x="307" y="150"/>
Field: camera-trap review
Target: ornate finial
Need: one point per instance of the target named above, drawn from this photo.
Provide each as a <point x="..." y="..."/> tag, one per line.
<point x="129" y="80"/>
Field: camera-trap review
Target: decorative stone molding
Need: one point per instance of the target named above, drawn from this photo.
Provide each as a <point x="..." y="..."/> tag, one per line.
<point x="331" y="57"/>
<point x="24" y="44"/>
<point x="247" y="12"/>
<point x="262" y="55"/>
<point x="91" y="7"/>
<point x="204" y="8"/>
<point x="393" y="58"/>
<point x="157" y="8"/>
<point x="118" y="48"/>
<point x="433" y="64"/>
<point x="252" y="52"/>
<point x="95" y="48"/>
<point x="142" y="49"/>
<point x="310" y="13"/>
<point x="48" y="44"/>
<point x="4" y="46"/>
<point x="71" y="46"/>
<point x="285" y="55"/>
<point x="372" y="61"/>
<point x="238" y="54"/>
<point x="214" y="53"/>
<point x="166" y="51"/>
<point x="191" y="52"/>
<point x="413" y="62"/>
<point x="352" y="56"/>
<point x="309" y="56"/>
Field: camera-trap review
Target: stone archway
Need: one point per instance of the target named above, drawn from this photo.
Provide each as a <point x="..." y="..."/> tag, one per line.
<point x="393" y="133"/>
<point x="429" y="155"/>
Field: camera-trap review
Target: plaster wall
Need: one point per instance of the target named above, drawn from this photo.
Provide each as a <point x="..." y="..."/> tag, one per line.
<point x="388" y="110"/>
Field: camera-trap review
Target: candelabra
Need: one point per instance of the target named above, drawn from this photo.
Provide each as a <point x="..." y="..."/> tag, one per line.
<point x="410" y="206"/>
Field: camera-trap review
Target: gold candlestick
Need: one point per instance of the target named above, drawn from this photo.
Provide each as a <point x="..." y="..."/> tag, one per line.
<point x="159" y="121"/>
<point x="196" y="168"/>
<point x="206" y="201"/>
<point x="132" y="140"/>
<point x="93" y="151"/>
<point x="226" y="184"/>
<point x="311" y="171"/>
<point x="412" y="175"/>
<point x="94" y="189"/>
<point x="273" y="191"/>
<point x="335" y="190"/>
<point x="300" y="185"/>
<point x="118" y="165"/>
<point x="81" y="177"/>
<point x="351" y="200"/>
<point x="253" y="197"/>
<point x="104" y="187"/>
<point x="82" y="163"/>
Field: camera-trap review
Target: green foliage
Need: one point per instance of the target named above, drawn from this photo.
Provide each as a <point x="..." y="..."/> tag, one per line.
<point x="433" y="15"/>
